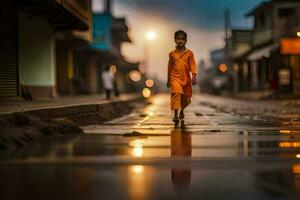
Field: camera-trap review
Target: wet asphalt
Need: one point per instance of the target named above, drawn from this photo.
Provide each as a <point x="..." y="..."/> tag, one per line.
<point x="216" y="155"/>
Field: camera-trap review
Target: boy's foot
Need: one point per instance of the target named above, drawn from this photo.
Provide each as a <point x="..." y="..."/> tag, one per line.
<point x="176" y="121"/>
<point x="182" y="123"/>
<point x="181" y="115"/>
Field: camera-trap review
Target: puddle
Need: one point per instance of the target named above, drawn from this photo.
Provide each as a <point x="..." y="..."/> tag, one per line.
<point x="147" y="182"/>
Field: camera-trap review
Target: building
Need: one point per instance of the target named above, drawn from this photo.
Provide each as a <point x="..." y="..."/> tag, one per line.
<point x="240" y="44"/>
<point x="272" y="62"/>
<point x="28" y="44"/>
<point x="70" y="45"/>
<point x="9" y="71"/>
<point x="109" y="33"/>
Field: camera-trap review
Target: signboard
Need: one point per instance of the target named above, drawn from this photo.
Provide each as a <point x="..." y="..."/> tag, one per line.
<point x="290" y="46"/>
<point x="102" y="31"/>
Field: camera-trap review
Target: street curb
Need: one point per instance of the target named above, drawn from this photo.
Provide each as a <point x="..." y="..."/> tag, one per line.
<point x="25" y="128"/>
<point x="68" y="111"/>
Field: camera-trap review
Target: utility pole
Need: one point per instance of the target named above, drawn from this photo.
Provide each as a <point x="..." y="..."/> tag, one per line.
<point x="227" y="28"/>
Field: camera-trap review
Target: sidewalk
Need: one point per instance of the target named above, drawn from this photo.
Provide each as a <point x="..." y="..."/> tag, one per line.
<point x="265" y="95"/>
<point x="7" y="107"/>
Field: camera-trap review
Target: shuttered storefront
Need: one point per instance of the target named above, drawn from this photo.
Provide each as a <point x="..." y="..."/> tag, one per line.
<point x="9" y="86"/>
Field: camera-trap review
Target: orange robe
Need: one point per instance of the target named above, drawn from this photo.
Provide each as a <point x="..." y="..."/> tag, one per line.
<point x="180" y="67"/>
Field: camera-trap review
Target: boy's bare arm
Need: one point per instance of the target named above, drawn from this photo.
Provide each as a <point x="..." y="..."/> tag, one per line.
<point x="169" y="70"/>
<point x="193" y="69"/>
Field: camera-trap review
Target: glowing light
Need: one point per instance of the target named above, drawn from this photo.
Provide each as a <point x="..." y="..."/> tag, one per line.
<point x="298" y="156"/>
<point x="113" y="69"/>
<point x="135" y="76"/>
<point x="296" y="168"/>
<point x="298" y="34"/>
<point x="137" y="169"/>
<point x="149" y="83"/>
<point x="223" y="68"/>
<point x="146" y="92"/>
<point x="151" y="35"/>
<point x="289" y="144"/>
<point x="285" y="131"/>
<point x="137" y="150"/>
<point x="289" y="131"/>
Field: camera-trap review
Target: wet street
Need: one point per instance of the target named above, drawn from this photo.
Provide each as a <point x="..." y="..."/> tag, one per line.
<point x="219" y="154"/>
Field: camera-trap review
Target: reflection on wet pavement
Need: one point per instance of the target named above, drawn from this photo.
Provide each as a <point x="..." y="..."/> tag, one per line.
<point x="142" y="156"/>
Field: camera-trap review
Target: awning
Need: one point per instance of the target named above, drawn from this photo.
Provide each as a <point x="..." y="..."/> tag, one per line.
<point x="262" y="52"/>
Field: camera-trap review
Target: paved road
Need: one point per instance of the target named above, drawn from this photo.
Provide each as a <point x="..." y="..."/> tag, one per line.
<point x="218" y="155"/>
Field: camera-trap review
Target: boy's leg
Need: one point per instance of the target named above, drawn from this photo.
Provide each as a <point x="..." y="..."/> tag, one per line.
<point x="175" y="103"/>
<point x="185" y="101"/>
<point x="175" y="114"/>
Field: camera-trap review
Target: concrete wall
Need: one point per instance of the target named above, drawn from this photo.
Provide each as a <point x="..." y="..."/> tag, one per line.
<point x="36" y="54"/>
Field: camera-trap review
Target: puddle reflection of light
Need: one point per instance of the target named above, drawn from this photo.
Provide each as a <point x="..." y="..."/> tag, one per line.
<point x="137" y="148"/>
<point x="151" y="113"/>
<point x="289" y="131"/>
<point x="137" y="151"/>
<point x="137" y="169"/>
<point x="289" y="144"/>
<point x="285" y="131"/>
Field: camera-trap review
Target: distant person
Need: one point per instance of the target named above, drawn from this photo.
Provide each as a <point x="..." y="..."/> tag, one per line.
<point x="107" y="79"/>
<point x="181" y="75"/>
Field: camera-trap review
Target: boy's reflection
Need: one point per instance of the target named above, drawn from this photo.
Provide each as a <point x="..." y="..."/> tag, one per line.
<point x="181" y="145"/>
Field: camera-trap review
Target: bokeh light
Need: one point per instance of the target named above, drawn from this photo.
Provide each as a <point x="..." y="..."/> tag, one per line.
<point x="223" y="68"/>
<point x="298" y="34"/>
<point x="135" y="76"/>
<point x="146" y="92"/>
<point x="149" y="83"/>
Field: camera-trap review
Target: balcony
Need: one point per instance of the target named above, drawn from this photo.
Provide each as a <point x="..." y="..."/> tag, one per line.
<point x="63" y="14"/>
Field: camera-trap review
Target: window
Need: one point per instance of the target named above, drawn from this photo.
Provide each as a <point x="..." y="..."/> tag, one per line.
<point x="285" y="12"/>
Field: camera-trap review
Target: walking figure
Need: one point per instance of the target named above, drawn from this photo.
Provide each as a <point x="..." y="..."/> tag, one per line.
<point x="181" y="75"/>
<point x="107" y="79"/>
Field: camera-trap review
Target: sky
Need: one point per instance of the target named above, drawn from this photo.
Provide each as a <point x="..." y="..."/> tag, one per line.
<point x="203" y="20"/>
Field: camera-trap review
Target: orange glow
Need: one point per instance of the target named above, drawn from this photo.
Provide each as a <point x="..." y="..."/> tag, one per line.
<point x="137" y="150"/>
<point x="290" y="46"/>
<point x="285" y="131"/>
<point x="296" y="169"/>
<point x="289" y="131"/>
<point x="135" y="76"/>
<point x="149" y="83"/>
<point x="146" y="92"/>
<point x="289" y="144"/>
<point x="223" y="68"/>
<point x="137" y="169"/>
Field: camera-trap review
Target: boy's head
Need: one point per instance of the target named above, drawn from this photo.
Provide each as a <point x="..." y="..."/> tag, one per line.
<point x="180" y="38"/>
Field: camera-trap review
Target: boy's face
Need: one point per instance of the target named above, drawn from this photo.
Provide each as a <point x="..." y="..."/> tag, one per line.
<point x="180" y="40"/>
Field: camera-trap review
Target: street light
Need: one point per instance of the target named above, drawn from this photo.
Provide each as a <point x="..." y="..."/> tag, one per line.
<point x="150" y="36"/>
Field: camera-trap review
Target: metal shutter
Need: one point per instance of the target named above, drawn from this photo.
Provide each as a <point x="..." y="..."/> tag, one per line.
<point x="8" y="50"/>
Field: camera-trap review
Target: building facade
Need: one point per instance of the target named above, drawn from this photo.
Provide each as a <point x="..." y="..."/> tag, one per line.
<point x="272" y="62"/>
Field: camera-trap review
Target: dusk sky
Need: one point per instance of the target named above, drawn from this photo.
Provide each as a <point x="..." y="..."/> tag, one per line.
<point x="203" y="20"/>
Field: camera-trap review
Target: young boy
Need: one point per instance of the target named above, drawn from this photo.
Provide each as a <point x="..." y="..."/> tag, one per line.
<point x="181" y="75"/>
